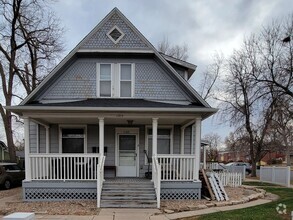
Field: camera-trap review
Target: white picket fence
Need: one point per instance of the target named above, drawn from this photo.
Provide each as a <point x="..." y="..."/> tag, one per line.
<point x="277" y="175"/>
<point x="231" y="179"/>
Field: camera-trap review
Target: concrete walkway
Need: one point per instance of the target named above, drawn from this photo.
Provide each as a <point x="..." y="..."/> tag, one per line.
<point x="148" y="214"/>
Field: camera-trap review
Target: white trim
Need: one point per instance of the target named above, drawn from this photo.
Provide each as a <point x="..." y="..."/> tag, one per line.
<point x="197" y="147"/>
<point x="126" y="109"/>
<point x="171" y="127"/>
<point x="84" y="126"/>
<point x="101" y="136"/>
<point x="118" y="39"/>
<point x="127" y="131"/>
<point x="27" y="148"/>
<point x="47" y="140"/>
<point x="38" y="137"/>
<point x="124" y="50"/>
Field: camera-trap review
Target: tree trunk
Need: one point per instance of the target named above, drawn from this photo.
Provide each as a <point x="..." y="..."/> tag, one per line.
<point x="253" y="168"/>
<point x="6" y="117"/>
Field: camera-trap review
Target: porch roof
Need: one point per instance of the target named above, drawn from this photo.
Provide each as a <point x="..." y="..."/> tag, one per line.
<point x="109" y="102"/>
<point x="109" y="108"/>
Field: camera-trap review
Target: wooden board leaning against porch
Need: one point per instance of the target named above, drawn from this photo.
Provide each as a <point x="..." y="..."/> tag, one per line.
<point x="207" y="189"/>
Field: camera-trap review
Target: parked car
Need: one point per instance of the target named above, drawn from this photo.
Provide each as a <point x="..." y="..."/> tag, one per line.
<point x="247" y="166"/>
<point x="10" y="174"/>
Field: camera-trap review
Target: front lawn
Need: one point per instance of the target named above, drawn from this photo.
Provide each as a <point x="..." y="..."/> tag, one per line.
<point x="266" y="211"/>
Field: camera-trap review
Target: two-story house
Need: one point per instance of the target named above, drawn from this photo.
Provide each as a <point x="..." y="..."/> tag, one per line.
<point x="113" y="100"/>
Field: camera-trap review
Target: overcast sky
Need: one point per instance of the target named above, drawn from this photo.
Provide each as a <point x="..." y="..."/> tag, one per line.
<point x="205" y="26"/>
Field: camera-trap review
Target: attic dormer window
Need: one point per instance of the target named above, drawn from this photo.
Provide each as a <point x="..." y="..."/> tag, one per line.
<point x="115" y="34"/>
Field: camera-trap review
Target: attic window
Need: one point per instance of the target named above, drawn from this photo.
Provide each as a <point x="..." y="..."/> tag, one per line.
<point x="115" y="34"/>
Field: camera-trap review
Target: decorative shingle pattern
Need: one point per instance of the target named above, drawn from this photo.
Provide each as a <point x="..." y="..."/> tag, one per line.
<point x="102" y="41"/>
<point x="79" y="81"/>
<point x="151" y="82"/>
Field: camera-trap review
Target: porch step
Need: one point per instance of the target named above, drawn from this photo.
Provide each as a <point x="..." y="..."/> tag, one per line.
<point x="128" y="193"/>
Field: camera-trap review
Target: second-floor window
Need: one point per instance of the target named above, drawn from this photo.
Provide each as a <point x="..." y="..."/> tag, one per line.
<point x="115" y="80"/>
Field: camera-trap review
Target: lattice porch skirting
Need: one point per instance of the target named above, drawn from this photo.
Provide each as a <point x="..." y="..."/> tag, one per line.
<point x="59" y="190"/>
<point x="180" y="190"/>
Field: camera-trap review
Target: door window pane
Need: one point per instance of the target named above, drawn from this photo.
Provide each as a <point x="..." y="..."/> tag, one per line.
<point x="127" y="142"/>
<point x="127" y="152"/>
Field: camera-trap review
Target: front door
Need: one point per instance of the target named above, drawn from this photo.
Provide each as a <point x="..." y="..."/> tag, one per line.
<point x="127" y="155"/>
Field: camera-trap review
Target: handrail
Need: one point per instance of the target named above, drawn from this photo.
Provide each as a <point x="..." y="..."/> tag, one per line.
<point x="100" y="179"/>
<point x="63" y="155"/>
<point x="157" y="179"/>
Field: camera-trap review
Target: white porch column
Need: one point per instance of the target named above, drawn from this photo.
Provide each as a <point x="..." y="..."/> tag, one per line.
<point x="27" y="148"/>
<point x="204" y="156"/>
<point x="155" y="136"/>
<point x="197" y="143"/>
<point x="182" y="141"/>
<point x="101" y="136"/>
<point x="47" y="139"/>
<point x="154" y="140"/>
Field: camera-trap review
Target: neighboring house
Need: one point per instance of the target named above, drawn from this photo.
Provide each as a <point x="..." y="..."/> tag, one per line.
<point x="227" y="156"/>
<point x="4" y="155"/>
<point x="110" y="100"/>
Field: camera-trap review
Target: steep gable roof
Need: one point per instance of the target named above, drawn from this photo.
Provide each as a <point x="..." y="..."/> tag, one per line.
<point x="98" y="41"/>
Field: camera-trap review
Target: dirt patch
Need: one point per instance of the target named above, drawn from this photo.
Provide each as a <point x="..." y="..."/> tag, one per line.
<point x="54" y="208"/>
<point x="10" y="192"/>
<point x="11" y="201"/>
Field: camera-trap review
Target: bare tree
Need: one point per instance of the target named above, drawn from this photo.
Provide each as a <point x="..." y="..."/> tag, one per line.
<point x="29" y="41"/>
<point x="246" y="106"/>
<point x="177" y="51"/>
<point x="214" y="143"/>
<point x="208" y="85"/>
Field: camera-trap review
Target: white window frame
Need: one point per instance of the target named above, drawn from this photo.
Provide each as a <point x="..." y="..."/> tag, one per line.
<point x="99" y="80"/>
<point x="171" y="127"/>
<point x="132" y="79"/>
<point x="115" y="80"/>
<point x="84" y="127"/>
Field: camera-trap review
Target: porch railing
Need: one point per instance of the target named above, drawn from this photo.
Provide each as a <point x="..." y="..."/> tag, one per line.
<point x="157" y="180"/>
<point x="100" y="179"/>
<point x="177" y="167"/>
<point x="64" y="166"/>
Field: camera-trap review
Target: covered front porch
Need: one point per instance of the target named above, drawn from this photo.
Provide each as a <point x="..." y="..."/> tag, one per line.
<point x="85" y="149"/>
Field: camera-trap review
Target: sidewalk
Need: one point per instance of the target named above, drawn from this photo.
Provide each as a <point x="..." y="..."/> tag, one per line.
<point x="148" y="214"/>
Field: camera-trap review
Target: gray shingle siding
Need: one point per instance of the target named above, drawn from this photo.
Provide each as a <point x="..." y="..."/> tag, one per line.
<point x="42" y="140"/>
<point x="54" y="139"/>
<point x="187" y="140"/>
<point x="79" y="81"/>
<point x="100" y="39"/>
<point x="33" y="137"/>
<point x="151" y="82"/>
